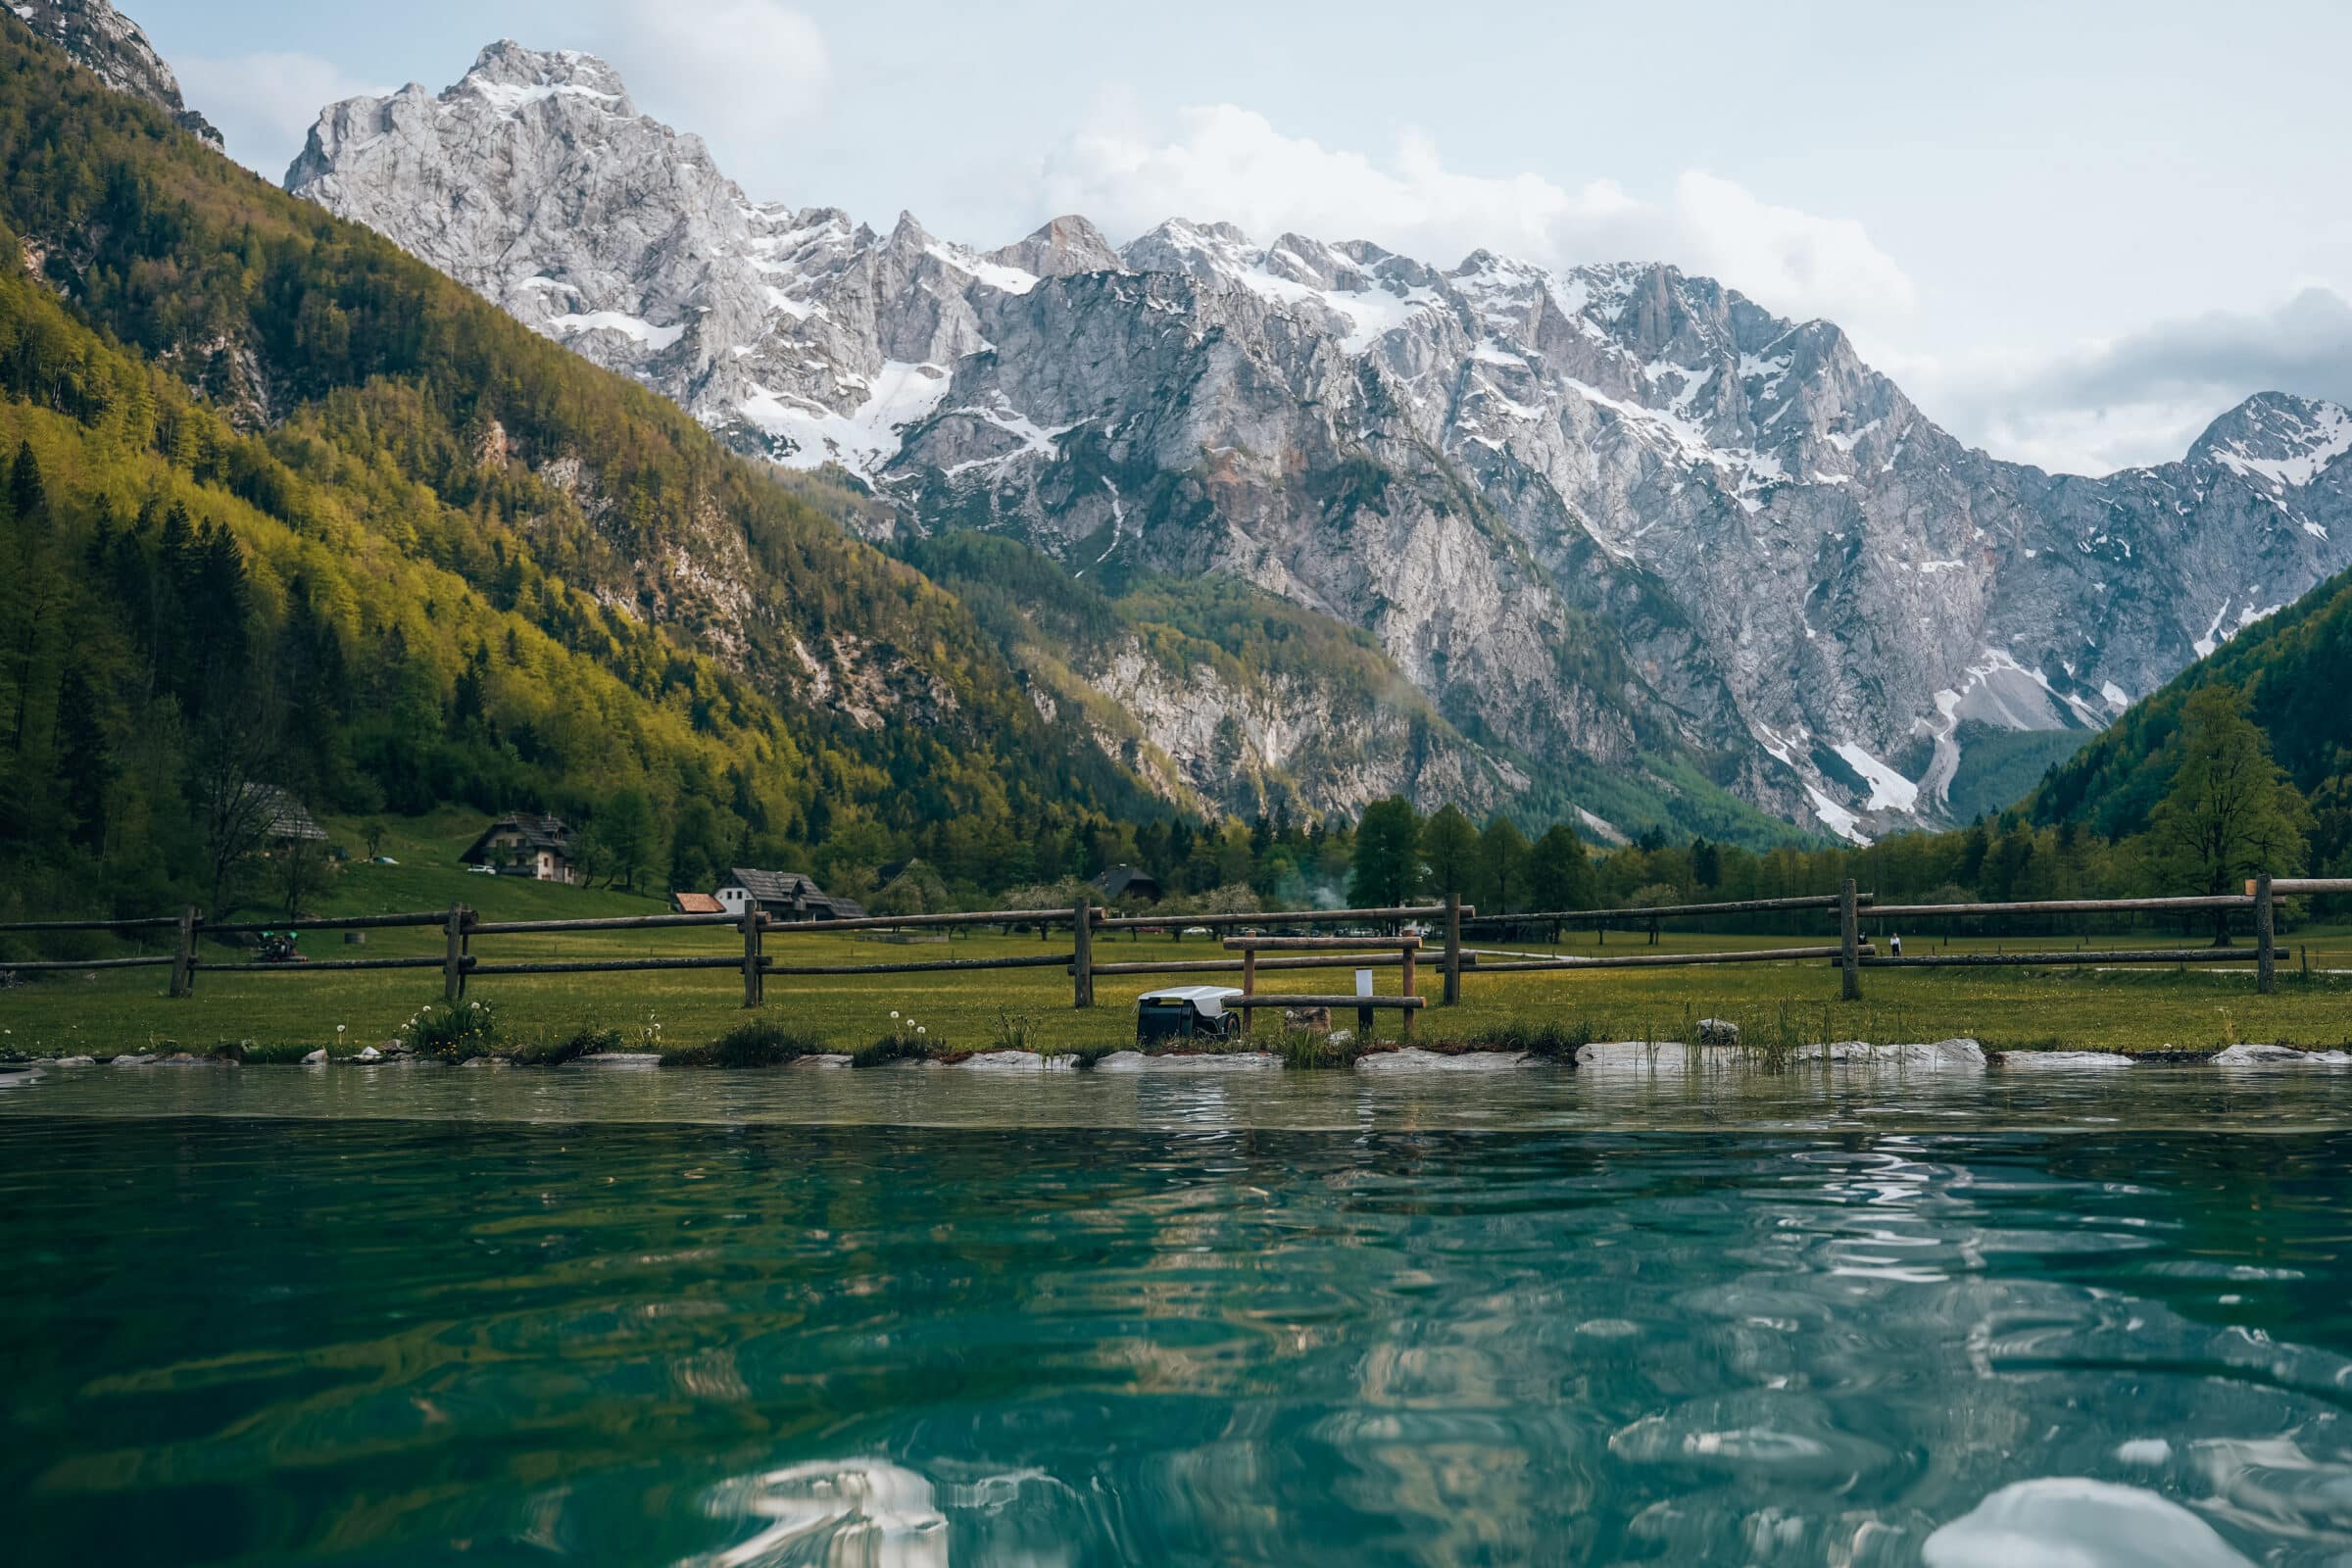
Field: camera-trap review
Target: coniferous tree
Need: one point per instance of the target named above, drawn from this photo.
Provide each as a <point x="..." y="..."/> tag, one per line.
<point x="1387" y="870"/>
<point x="1502" y="852"/>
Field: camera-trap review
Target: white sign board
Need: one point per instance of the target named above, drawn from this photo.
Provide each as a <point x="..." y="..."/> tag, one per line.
<point x="1364" y="982"/>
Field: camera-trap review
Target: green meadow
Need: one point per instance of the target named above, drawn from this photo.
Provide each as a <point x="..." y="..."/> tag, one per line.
<point x="289" y="1012"/>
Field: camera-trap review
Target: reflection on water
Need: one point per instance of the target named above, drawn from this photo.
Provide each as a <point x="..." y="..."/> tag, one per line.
<point x="924" y="1318"/>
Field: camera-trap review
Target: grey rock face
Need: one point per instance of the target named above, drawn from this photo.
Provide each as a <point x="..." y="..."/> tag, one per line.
<point x="1600" y="518"/>
<point x="109" y="44"/>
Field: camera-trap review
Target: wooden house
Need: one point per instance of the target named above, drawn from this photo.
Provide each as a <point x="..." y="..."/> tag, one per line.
<point x="1128" y="882"/>
<point x="786" y="896"/>
<point x="528" y="843"/>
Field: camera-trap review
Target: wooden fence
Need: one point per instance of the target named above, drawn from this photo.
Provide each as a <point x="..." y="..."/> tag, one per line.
<point x="461" y="927"/>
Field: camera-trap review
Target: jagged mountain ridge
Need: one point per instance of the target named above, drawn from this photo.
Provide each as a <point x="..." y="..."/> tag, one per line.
<point x="109" y="46"/>
<point x="1597" y="516"/>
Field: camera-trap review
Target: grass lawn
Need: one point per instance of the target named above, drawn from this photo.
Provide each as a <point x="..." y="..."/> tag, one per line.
<point x="2113" y="1009"/>
<point x="109" y="1011"/>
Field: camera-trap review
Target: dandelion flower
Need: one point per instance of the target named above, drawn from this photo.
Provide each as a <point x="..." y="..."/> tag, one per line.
<point x="894" y="1012"/>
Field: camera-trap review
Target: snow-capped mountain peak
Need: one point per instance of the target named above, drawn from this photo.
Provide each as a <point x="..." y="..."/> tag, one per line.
<point x="2279" y="440"/>
<point x="1605" y="514"/>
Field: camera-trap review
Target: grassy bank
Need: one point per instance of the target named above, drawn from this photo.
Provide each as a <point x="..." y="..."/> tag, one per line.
<point x="287" y="1013"/>
<point x="2119" y="1010"/>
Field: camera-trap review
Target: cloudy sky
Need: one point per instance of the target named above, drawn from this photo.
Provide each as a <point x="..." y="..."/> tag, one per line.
<point x="2075" y="233"/>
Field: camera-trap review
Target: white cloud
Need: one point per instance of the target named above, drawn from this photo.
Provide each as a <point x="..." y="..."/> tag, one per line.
<point x="2141" y="398"/>
<point x="742" y="74"/>
<point x="1232" y="164"/>
<point x="264" y="104"/>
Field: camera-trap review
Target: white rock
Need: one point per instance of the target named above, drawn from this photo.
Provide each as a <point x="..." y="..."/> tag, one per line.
<point x="1018" y="1062"/>
<point x="368" y="1053"/>
<point x="1223" y="1061"/>
<point x="129" y="1059"/>
<point x="825" y="1062"/>
<point x="632" y="1059"/>
<point x="2069" y="1522"/>
<point x="2253" y="1055"/>
<point x="1647" y="1056"/>
<point x="74" y="1062"/>
<point x="1413" y="1058"/>
<point x="1936" y="1056"/>
<point x="1718" y="1032"/>
<point x="2061" y="1061"/>
<point x="317" y="1058"/>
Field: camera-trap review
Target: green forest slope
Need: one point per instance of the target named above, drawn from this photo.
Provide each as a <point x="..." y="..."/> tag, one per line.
<point x="403" y="552"/>
<point x="2295" y="668"/>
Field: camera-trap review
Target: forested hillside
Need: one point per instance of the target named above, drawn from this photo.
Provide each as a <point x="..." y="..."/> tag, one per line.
<point x="2295" y="671"/>
<point x="394" y="550"/>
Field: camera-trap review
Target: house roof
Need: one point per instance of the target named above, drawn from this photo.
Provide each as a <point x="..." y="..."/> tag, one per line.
<point x="696" y="903"/>
<point x="1121" y="880"/>
<point x="838" y="909"/>
<point x="286" y="817"/>
<point x="534" y="830"/>
<point x="773" y="887"/>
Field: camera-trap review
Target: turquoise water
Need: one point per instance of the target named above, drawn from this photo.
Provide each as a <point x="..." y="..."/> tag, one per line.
<point x="923" y="1317"/>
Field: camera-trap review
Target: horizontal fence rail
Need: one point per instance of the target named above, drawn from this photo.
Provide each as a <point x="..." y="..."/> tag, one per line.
<point x="1269" y="999"/>
<point x="1364" y="960"/>
<point x="1409" y="912"/>
<point x="1664" y="911"/>
<point x="1480" y="964"/>
<point x="1930" y="912"/>
<point x="2078" y="957"/>
<point x="1248" y="945"/>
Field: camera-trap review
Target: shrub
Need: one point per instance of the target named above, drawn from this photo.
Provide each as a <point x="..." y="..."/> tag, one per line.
<point x="758" y="1043"/>
<point x="906" y="1041"/>
<point x="1308" y="1048"/>
<point x="586" y="1041"/>
<point x="454" y="1031"/>
<point x="1015" y="1031"/>
<point x="1535" y="1039"/>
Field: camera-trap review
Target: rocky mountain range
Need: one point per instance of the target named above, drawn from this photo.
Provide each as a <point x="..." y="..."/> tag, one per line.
<point x="1614" y="529"/>
<point x="109" y="46"/>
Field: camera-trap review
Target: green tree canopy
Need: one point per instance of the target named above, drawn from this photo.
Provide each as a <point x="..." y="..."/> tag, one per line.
<point x="1387" y="856"/>
<point x="1502" y="852"/>
<point x="1559" y="874"/>
<point x="2230" y="811"/>
<point x="1451" y="850"/>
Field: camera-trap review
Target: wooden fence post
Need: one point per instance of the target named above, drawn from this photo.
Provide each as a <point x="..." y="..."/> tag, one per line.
<point x="1249" y="989"/>
<point x="1454" y="950"/>
<point x="1411" y="988"/>
<point x="1082" y="967"/>
<point x="183" y="954"/>
<point x="1849" y="956"/>
<point x="453" y="955"/>
<point x="755" y="920"/>
<point x="2266" y="961"/>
